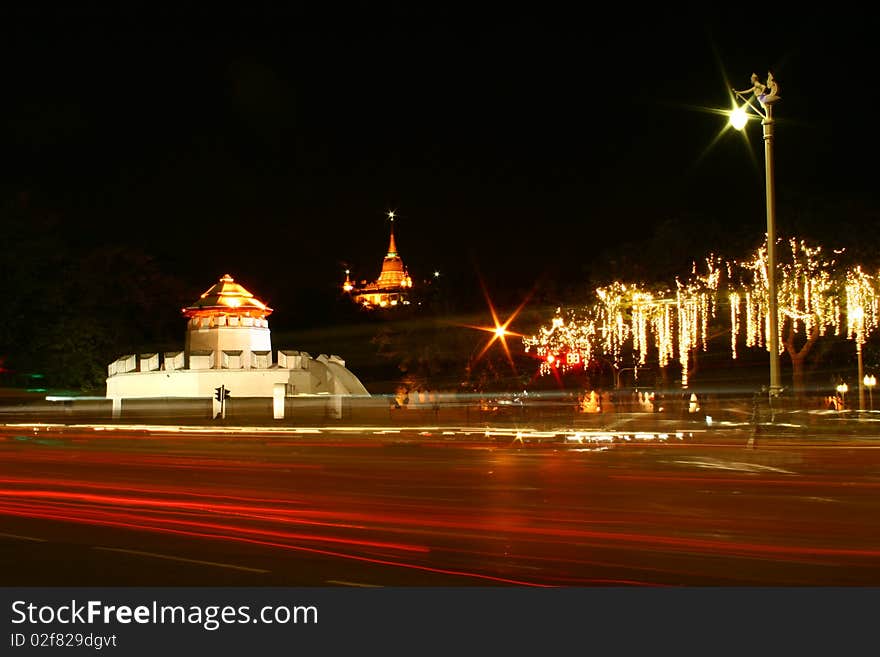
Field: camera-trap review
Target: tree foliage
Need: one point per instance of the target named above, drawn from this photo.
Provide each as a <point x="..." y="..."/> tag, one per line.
<point x="71" y="311"/>
<point x="817" y="295"/>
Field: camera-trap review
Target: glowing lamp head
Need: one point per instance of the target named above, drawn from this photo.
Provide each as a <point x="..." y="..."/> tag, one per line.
<point x="739" y="118"/>
<point x="500" y="331"/>
<point x="870" y="380"/>
<point x="551" y="359"/>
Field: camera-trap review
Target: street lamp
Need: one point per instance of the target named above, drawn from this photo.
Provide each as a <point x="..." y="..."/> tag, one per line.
<point x="766" y="96"/>
<point x="870" y="381"/>
<point x="739" y="117"/>
<point x="842" y="388"/>
<point x="858" y="321"/>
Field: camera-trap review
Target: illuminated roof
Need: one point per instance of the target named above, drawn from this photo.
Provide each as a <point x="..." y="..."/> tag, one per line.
<point x="230" y="298"/>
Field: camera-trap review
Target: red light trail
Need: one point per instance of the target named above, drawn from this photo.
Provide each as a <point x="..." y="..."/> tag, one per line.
<point x="520" y="517"/>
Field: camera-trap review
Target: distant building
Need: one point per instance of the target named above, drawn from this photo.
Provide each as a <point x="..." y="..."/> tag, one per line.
<point x="392" y="288"/>
<point x="228" y="344"/>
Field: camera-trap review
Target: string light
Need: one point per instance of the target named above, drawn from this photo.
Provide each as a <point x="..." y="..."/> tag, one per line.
<point x="812" y="296"/>
<point x="861" y="305"/>
<point x="807" y="296"/>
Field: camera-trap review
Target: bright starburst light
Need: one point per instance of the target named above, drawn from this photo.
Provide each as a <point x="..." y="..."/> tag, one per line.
<point x="739" y="118"/>
<point x="499" y="330"/>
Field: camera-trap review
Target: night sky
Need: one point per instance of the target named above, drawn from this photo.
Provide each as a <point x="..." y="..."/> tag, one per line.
<point x="270" y="145"/>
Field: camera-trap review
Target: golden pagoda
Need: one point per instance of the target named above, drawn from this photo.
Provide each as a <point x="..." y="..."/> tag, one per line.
<point x="393" y="286"/>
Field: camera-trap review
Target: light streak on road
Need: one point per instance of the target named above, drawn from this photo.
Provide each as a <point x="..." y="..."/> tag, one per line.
<point x="638" y="511"/>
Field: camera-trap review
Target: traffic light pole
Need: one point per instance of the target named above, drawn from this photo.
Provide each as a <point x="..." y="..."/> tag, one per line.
<point x="221" y="394"/>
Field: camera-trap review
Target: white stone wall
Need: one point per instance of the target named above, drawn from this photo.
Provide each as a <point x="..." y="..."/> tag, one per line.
<point x="218" y="339"/>
<point x="293" y="360"/>
<point x="199" y="383"/>
<point x="149" y="362"/>
<point x="261" y="359"/>
<point x="320" y="378"/>
<point x="202" y="360"/>
<point x="234" y="352"/>
<point x="173" y="360"/>
<point x="232" y="360"/>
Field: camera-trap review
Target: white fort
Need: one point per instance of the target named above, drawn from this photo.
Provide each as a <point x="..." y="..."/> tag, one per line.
<point x="228" y="344"/>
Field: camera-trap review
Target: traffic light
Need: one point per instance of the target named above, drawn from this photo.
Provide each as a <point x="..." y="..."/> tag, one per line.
<point x="225" y="393"/>
<point x="218" y="393"/>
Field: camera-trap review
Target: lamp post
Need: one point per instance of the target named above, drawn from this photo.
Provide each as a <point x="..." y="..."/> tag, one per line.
<point x="870" y="381"/>
<point x="842" y="389"/>
<point x="862" y="379"/>
<point x="766" y="96"/>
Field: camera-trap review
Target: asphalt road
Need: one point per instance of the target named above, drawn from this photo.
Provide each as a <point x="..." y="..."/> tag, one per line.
<point x="128" y="507"/>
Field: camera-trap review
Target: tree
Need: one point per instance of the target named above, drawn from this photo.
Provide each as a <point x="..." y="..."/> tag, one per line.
<point x="70" y="312"/>
<point x="626" y="317"/>
<point x="816" y="295"/>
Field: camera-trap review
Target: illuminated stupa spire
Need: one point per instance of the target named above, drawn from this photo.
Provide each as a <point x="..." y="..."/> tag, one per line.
<point x="392" y="247"/>
<point x="393" y="271"/>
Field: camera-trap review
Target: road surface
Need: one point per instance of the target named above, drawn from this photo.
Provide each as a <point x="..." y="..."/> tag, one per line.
<point x="129" y="507"/>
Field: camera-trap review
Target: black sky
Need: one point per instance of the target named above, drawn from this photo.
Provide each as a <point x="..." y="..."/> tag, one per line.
<point x="269" y="144"/>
